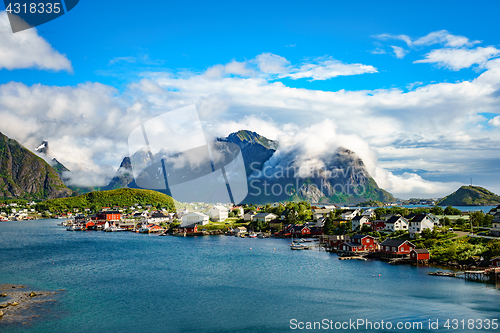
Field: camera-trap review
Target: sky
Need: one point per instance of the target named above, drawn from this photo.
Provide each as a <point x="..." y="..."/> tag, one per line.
<point x="411" y="87"/>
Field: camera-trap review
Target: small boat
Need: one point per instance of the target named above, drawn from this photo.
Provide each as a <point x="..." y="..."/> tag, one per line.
<point x="252" y="235"/>
<point x="113" y="229"/>
<point x="75" y="228"/>
<point x="180" y="234"/>
<point x="298" y="246"/>
<point x="4" y="219"/>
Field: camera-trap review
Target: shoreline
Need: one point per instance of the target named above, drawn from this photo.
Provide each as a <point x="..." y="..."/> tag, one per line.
<point x="20" y="305"/>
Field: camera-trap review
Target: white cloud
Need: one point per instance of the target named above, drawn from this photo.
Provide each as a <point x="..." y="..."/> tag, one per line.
<point x="327" y="69"/>
<point x="27" y="49"/>
<point x="404" y="38"/>
<point x="271" y="63"/>
<point x="445" y="38"/>
<point x="437" y="37"/>
<point x="495" y="121"/>
<point x="457" y="59"/>
<point x="399" y="51"/>
<point x="232" y="68"/>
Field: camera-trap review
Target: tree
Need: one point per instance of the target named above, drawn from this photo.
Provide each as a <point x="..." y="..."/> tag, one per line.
<point x="366" y="228"/>
<point x="427" y="233"/>
<point x="452" y="211"/>
<point x="437" y="210"/>
<point x="476" y="218"/>
<point x="328" y="227"/>
<point x="446" y="221"/>
<point x="379" y="212"/>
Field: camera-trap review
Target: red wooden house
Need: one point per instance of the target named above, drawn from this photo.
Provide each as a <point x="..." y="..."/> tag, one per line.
<point x="300" y="230"/>
<point x="378" y="225"/>
<point x="396" y="246"/>
<point x="495" y="262"/>
<point x="109" y="215"/>
<point x="189" y="228"/>
<point x="333" y="241"/>
<point x="420" y="254"/>
<point x="360" y="243"/>
<point x="316" y="231"/>
<point x="90" y="225"/>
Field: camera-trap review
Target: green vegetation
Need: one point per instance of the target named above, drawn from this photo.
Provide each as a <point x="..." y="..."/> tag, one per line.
<point x="443" y="247"/>
<point x="470" y="196"/>
<point x="371" y="203"/>
<point x="124" y="197"/>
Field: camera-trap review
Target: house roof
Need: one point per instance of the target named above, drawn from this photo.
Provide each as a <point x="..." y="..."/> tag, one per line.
<point x="264" y="214"/>
<point x="360" y="236"/>
<point x="158" y="215"/>
<point x="351" y="244"/>
<point x="196" y="213"/>
<point x="190" y="226"/>
<point x="359" y="217"/>
<point x="394" y="242"/>
<point x="496" y="258"/>
<point x="396" y="218"/>
<point x="425" y="251"/>
<point x="221" y="208"/>
<point x="419" y="218"/>
<point x="299" y="227"/>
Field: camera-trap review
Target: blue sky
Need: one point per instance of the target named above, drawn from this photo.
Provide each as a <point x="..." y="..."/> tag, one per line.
<point x="373" y="73"/>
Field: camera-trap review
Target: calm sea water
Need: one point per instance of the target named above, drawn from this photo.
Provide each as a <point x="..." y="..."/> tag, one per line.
<point x="127" y="282"/>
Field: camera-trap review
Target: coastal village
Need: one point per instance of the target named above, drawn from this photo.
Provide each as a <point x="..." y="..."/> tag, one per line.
<point x="393" y="234"/>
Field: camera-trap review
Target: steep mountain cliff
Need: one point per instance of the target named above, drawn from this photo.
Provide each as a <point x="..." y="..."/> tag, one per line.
<point x="25" y="175"/>
<point x="124" y="176"/>
<point x="470" y="196"/>
<point x="256" y="149"/>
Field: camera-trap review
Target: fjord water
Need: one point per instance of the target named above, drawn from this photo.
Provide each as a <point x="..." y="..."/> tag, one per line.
<point x="128" y="282"/>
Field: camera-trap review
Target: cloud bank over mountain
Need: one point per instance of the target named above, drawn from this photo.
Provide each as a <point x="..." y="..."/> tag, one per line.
<point x="418" y="142"/>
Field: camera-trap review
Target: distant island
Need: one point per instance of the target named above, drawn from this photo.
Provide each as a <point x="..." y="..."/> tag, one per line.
<point x="470" y="196"/>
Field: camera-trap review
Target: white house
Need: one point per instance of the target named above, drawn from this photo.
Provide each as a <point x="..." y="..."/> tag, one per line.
<point x="495" y="231"/>
<point x="419" y="223"/>
<point x="249" y="216"/>
<point x="218" y="213"/>
<point x="395" y="223"/>
<point x="239" y="230"/>
<point x="321" y="212"/>
<point x="369" y="213"/>
<point x="158" y="217"/>
<point x="359" y="221"/>
<point x="264" y="217"/>
<point x="194" y="218"/>
<point x="349" y="214"/>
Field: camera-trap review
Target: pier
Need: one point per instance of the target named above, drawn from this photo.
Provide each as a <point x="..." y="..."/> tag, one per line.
<point x="487" y="275"/>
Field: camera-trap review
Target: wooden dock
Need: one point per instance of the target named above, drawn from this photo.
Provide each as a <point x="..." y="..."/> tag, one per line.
<point x="487" y="275"/>
<point x="352" y="258"/>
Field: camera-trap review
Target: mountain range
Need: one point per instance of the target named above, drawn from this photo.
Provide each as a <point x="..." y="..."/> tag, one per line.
<point x="270" y="176"/>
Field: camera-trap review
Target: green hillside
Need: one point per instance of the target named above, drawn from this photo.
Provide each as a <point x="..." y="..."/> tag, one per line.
<point x="27" y="176"/>
<point x="470" y="196"/>
<point x="124" y="197"/>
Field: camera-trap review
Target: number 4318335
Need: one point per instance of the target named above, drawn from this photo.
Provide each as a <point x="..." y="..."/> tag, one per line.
<point x="471" y="324"/>
<point x="34" y="8"/>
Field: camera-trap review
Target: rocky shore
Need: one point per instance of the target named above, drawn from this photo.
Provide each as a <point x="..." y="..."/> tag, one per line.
<point x="20" y="305"/>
